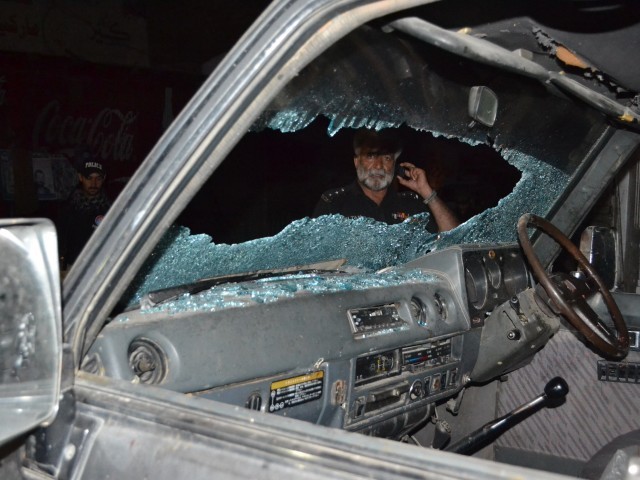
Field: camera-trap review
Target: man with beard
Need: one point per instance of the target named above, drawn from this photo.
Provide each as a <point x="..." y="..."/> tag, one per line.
<point x="84" y="210"/>
<point x="374" y="195"/>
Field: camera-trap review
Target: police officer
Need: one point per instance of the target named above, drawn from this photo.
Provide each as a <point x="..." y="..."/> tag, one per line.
<point x="84" y="210"/>
<point x="374" y="196"/>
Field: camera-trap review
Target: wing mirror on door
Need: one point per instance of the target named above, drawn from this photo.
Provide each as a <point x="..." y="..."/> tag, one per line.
<point x="598" y="245"/>
<point x="30" y="325"/>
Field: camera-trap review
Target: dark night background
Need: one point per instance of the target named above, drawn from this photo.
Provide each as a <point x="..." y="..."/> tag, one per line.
<point x="130" y="66"/>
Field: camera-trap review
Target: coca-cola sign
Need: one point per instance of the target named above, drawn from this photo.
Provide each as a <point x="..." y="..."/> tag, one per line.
<point x="115" y="113"/>
<point x="109" y="133"/>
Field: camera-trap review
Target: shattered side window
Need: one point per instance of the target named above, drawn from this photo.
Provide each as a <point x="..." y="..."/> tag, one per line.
<point x="375" y="80"/>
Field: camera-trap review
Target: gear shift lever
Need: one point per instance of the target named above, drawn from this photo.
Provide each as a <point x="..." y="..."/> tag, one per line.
<point x="554" y="392"/>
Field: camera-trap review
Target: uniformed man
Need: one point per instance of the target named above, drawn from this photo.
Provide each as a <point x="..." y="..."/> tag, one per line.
<point x="84" y="210"/>
<point x="374" y="195"/>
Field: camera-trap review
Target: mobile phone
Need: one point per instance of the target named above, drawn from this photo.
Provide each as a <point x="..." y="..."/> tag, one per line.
<point x="402" y="172"/>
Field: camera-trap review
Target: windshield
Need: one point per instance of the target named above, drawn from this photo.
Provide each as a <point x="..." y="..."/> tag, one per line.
<point x="379" y="81"/>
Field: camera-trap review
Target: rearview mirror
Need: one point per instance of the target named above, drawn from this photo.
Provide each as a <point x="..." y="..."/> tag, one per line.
<point x="483" y="105"/>
<point x="598" y="245"/>
<point x="30" y="325"/>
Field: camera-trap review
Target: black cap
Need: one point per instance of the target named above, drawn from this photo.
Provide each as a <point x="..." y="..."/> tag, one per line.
<point x="86" y="164"/>
<point x="386" y="141"/>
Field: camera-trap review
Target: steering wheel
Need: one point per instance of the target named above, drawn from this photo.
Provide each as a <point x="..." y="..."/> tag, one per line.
<point x="569" y="294"/>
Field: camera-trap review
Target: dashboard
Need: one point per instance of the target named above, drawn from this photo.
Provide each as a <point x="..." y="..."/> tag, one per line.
<point x="371" y="353"/>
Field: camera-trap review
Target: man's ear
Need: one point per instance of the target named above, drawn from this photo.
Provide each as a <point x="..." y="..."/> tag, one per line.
<point x="79" y="177"/>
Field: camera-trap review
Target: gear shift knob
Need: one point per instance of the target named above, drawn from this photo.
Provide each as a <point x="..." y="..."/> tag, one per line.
<point x="556" y="388"/>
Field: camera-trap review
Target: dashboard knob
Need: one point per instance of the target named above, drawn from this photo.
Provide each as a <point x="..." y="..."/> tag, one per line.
<point x="416" y="391"/>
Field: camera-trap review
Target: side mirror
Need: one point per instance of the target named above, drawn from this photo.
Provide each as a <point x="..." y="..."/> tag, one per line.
<point x="598" y="245"/>
<point x="30" y="325"/>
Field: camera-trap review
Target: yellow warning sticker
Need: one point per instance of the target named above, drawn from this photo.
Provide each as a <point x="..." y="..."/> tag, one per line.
<point x="293" y="391"/>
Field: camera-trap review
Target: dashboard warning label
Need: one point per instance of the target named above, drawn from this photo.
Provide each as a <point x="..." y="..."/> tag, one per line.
<point x="296" y="390"/>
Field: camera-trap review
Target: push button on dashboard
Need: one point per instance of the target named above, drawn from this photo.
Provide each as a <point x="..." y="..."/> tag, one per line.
<point x="436" y="383"/>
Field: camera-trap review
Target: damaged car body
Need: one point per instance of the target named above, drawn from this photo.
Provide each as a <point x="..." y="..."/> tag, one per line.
<point x="183" y="356"/>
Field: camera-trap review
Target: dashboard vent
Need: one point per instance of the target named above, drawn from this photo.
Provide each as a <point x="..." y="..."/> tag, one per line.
<point x="92" y="364"/>
<point x="254" y="402"/>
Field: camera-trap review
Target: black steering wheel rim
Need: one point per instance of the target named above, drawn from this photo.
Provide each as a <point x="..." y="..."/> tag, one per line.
<point x="614" y="346"/>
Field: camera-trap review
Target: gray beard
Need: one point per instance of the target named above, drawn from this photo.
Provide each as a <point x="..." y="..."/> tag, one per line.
<point x="372" y="182"/>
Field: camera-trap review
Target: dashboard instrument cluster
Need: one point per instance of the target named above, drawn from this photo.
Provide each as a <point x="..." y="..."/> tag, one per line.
<point x="492" y="277"/>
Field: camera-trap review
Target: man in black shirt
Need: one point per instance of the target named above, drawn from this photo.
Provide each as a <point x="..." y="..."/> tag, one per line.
<point x="84" y="210"/>
<point x="373" y="194"/>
